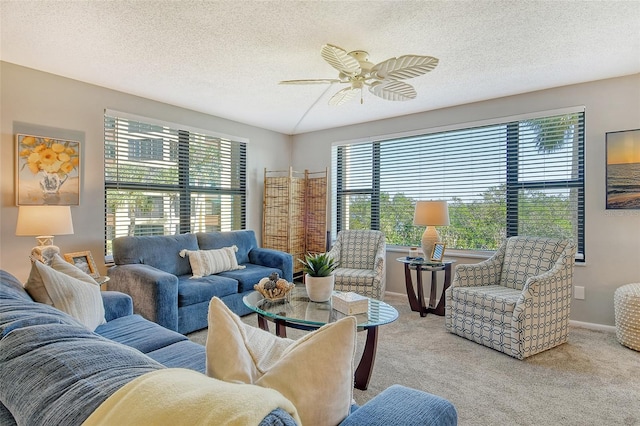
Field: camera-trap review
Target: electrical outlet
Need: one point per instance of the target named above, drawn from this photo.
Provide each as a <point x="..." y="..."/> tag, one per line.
<point x="578" y="292"/>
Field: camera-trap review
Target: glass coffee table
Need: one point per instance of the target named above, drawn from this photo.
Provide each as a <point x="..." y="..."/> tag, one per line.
<point x="297" y="311"/>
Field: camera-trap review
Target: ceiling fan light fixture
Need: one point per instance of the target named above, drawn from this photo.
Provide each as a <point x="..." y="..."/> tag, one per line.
<point x="382" y="79"/>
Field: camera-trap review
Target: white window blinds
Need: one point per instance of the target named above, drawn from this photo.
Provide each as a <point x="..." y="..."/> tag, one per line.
<point x="517" y="177"/>
<point x="160" y="179"/>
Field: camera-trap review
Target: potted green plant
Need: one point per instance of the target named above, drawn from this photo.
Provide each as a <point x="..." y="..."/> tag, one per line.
<point x="318" y="279"/>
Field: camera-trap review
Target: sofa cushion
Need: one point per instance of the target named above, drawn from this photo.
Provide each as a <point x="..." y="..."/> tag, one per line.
<point x="250" y="276"/>
<point x="159" y="251"/>
<point x="182" y="354"/>
<point x="203" y="289"/>
<point x="314" y="372"/>
<point x="15" y="314"/>
<point x="245" y="240"/>
<point x="11" y="288"/>
<point x="137" y="332"/>
<point x="67" y="288"/>
<point x="58" y="374"/>
<point x="207" y="262"/>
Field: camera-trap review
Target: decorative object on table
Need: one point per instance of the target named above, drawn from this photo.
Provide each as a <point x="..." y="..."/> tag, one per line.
<point x="319" y="278"/>
<point x="623" y="169"/>
<point x="44" y="222"/>
<point x="438" y="252"/>
<point x="414" y="252"/>
<point x="273" y="287"/>
<point x="47" y="171"/>
<point x="430" y="214"/>
<point x="83" y="260"/>
<point x="626" y="305"/>
<point x="349" y="303"/>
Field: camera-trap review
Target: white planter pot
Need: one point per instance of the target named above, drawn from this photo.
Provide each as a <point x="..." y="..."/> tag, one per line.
<point x="319" y="289"/>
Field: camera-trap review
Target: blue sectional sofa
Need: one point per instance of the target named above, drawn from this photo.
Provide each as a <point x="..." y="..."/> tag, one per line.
<point x="54" y="371"/>
<point x="160" y="282"/>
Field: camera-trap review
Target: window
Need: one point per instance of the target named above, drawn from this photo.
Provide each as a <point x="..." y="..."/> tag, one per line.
<point x="162" y="180"/>
<point x="512" y="177"/>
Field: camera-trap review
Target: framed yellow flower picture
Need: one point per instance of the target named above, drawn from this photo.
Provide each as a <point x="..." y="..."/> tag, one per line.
<point x="47" y="171"/>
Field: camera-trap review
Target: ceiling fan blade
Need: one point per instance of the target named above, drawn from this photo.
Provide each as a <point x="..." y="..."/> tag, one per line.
<point x="338" y="58"/>
<point x="312" y="81"/>
<point x="407" y="66"/>
<point x="393" y="90"/>
<point x="343" y="96"/>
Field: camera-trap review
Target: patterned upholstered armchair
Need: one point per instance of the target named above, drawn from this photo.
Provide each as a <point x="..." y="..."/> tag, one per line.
<point x="361" y="262"/>
<point x="518" y="301"/>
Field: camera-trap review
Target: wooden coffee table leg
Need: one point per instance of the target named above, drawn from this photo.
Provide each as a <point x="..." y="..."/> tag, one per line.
<point x="263" y="323"/>
<point x="281" y="328"/>
<point x="365" y="367"/>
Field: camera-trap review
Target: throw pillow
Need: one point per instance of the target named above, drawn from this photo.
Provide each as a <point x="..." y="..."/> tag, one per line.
<point x="207" y="262"/>
<point x="67" y="288"/>
<point x="315" y="372"/>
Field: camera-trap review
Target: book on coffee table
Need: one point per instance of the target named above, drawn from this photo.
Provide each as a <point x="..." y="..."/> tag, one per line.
<point x="350" y="303"/>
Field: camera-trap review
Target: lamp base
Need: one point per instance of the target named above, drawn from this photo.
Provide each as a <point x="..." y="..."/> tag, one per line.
<point x="429" y="238"/>
<point x="45" y="253"/>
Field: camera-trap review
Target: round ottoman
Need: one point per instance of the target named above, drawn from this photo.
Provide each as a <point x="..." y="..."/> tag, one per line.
<point x="626" y="305"/>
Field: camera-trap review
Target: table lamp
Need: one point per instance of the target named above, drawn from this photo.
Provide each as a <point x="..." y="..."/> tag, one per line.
<point x="44" y="222"/>
<point x="430" y="214"/>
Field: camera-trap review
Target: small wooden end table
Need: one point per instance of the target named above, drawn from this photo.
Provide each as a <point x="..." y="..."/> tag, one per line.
<point x="419" y="265"/>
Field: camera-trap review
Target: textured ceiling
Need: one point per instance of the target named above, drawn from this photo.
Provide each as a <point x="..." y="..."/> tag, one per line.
<point x="225" y="58"/>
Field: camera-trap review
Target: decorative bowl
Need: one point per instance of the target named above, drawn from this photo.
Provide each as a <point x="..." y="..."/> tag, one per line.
<point x="274" y="292"/>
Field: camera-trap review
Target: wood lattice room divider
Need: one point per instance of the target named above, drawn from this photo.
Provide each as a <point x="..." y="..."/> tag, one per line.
<point x="294" y="216"/>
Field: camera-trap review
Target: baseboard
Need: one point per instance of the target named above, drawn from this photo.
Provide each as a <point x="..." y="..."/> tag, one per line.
<point x="581" y="324"/>
<point x="593" y="326"/>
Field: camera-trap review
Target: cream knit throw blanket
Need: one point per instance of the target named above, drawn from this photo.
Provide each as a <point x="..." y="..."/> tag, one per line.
<point x="177" y="396"/>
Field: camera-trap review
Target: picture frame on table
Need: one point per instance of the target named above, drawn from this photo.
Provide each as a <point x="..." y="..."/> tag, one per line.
<point x="437" y="254"/>
<point x="83" y="260"/>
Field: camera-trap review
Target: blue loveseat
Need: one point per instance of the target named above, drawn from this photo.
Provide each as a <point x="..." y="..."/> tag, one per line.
<point x="54" y="371"/>
<point x="160" y="282"/>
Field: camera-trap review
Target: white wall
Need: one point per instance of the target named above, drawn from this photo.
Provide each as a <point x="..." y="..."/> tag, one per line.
<point x="612" y="236"/>
<point x="33" y="99"/>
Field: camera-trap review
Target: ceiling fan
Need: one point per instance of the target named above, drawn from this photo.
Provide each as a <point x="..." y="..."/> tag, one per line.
<point x="383" y="79"/>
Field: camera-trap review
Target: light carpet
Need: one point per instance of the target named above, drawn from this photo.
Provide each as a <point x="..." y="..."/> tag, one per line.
<point x="590" y="380"/>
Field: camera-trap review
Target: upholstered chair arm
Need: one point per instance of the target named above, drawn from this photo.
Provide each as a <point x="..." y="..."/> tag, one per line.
<point x="546" y="303"/>
<point x="334" y="253"/>
<point x="380" y="279"/>
<point x="483" y="273"/>
<point x="154" y="292"/>
<point x="273" y="259"/>
<point x="116" y="305"/>
<point x="399" y="405"/>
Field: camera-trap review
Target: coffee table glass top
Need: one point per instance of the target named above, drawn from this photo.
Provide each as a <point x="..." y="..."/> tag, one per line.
<point x="297" y="308"/>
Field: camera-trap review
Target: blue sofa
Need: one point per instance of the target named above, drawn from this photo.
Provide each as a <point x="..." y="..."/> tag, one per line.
<point x="54" y="371"/>
<point x="151" y="271"/>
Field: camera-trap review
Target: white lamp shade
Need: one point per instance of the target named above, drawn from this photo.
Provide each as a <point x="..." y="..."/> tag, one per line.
<point x="431" y="213"/>
<point x="44" y="220"/>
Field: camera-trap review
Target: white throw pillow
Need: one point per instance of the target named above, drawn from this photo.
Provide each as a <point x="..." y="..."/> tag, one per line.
<point x="207" y="262"/>
<point x="67" y="288"/>
<point x="314" y="372"/>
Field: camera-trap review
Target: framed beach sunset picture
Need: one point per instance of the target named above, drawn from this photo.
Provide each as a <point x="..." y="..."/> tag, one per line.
<point x="623" y="169"/>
